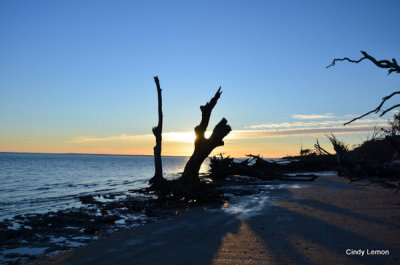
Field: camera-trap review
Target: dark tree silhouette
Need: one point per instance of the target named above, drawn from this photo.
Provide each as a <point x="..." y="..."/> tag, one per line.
<point x="202" y="146"/>
<point x="188" y="185"/>
<point x="392" y="66"/>
<point x="158" y="180"/>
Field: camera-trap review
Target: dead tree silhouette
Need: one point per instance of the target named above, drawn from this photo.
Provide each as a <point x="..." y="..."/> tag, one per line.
<point x="189" y="184"/>
<point x="158" y="180"/>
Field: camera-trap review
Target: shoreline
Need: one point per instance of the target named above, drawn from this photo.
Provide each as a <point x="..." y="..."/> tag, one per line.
<point x="104" y="154"/>
<point x="315" y="224"/>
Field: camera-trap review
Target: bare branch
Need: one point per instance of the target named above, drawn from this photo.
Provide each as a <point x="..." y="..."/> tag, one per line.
<point x="377" y="109"/>
<point x="205" y="115"/>
<point x="344" y="59"/>
<point x="389" y="109"/>
<point x="319" y="148"/>
<point x="360" y="117"/>
<point x="391" y="65"/>
<point x="220" y="131"/>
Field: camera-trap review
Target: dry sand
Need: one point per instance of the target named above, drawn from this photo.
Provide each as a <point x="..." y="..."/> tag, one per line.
<point x="313" y="225"/>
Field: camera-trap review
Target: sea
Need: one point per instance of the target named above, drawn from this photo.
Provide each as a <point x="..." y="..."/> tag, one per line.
<point x="38" y="183"/>
<point x="32" y="184"/>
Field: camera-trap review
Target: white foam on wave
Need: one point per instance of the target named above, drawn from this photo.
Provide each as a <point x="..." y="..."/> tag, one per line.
<point x="246" y="206"/>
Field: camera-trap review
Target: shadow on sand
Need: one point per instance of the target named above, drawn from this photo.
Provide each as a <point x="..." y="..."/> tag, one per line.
<point x="286" y="230"/>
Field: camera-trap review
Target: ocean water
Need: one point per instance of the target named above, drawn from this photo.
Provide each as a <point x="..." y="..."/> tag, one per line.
<point x="39" y="183"/>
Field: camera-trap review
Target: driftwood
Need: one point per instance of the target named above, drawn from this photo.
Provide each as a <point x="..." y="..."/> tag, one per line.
<point x="376" y="160"/>
<point x="256" y="167"/>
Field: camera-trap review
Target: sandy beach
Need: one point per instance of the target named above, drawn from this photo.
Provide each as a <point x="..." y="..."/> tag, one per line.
<point x="328" y="222"/>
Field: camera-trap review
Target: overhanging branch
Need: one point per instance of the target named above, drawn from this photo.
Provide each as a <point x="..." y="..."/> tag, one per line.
<point x="377" y="109"/>
<point x="392" y="66"/>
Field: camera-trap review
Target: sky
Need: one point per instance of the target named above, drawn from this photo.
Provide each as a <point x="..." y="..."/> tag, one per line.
<point x="77" y="76"/>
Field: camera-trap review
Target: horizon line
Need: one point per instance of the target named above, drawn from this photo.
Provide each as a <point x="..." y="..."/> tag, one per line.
<point x="57" y="153"/>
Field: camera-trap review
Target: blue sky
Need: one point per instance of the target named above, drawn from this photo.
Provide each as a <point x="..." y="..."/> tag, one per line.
<point x="76" y="70"/>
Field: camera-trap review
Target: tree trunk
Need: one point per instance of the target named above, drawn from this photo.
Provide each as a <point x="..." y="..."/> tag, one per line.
<point x="158" y="178"/>
<point x="202" y="146"/>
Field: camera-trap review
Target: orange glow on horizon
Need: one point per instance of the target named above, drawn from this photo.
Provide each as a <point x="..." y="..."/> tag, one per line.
<point x="173" y="144"/>
<point x="235" y="149"/>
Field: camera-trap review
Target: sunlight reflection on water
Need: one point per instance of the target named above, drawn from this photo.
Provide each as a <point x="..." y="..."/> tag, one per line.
<point x="250" y="205"/>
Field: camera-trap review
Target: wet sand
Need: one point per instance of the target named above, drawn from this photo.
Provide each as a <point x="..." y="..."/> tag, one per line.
<point x="312" y="225"/>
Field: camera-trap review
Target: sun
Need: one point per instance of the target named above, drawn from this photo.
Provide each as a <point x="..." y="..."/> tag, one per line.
<point x="182" y="137"/>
